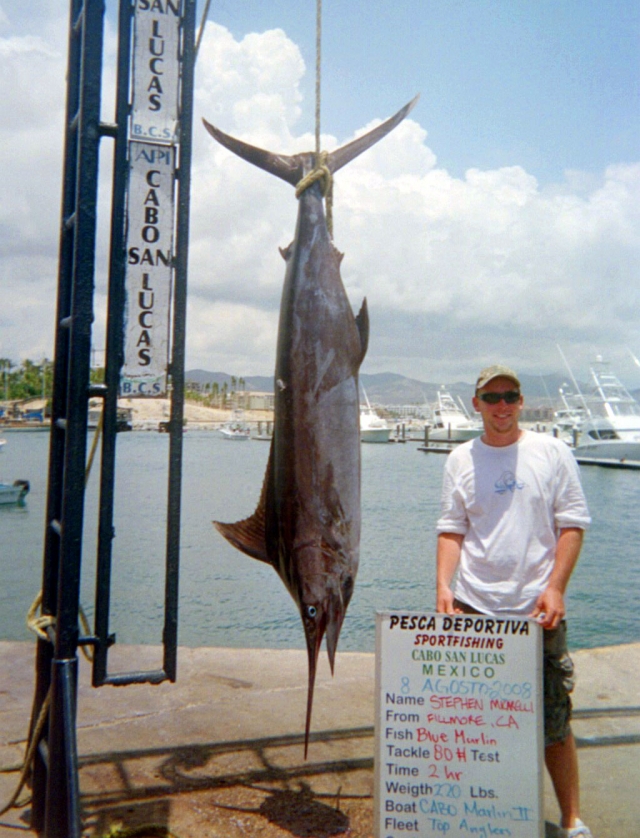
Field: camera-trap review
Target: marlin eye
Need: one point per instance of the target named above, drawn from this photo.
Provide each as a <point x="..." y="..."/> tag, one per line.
<point x="311" y="611"/>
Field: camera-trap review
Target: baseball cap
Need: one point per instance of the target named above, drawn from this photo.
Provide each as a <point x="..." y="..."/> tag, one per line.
<point x="496" y="371"/>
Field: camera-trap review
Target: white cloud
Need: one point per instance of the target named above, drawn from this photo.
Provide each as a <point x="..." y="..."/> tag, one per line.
<point x="456" y="270"/>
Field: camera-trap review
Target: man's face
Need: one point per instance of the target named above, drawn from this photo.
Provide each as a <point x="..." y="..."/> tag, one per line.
<point x="501" y="419"/>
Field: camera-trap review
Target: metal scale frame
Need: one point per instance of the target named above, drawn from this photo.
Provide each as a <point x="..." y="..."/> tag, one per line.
<point x="55" y="785"/>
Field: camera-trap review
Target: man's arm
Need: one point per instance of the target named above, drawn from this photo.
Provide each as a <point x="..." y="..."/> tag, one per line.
<point x="447" y="559"/>
<point x="549" y="609"/>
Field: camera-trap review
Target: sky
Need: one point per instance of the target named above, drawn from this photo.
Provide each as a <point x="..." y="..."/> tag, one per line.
<point x="499" y="221"/>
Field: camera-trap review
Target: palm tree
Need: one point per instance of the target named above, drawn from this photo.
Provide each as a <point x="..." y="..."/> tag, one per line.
<point x="5" y="366"/>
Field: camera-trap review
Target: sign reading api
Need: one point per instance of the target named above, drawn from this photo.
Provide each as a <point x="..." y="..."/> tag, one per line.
<point x="458" y="726"/>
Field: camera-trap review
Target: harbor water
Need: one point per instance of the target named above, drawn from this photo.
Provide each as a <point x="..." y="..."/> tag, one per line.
<point x="228" y="599"/>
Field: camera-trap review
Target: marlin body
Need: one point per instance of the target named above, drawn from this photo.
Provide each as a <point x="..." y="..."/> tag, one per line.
<point x="307" y="523"/>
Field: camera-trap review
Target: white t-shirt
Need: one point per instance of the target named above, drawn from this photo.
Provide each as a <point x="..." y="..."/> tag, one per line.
<point x="509" y="503"/>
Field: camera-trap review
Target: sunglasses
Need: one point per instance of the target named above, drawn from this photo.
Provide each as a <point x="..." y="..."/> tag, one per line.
<point x="510" y="397"/>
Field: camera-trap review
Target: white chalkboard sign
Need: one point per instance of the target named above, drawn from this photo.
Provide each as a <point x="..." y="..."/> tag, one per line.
<point x="459" y="740"/>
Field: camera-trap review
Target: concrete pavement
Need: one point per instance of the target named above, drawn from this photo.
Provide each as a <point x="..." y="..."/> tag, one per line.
<point x="220" y="752"/>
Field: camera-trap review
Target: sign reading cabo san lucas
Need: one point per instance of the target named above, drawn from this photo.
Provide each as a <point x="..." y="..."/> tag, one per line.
<point x="458" y="726"/>
<point x="149" y="268"/>
<point x="154" y="136"/>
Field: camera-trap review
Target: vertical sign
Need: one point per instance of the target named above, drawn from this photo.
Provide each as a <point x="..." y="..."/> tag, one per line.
<point x="154" y="138"/>
<point x="149" y="268"/>
<point x="458" y="726"/>
<point x="156" y="70"/>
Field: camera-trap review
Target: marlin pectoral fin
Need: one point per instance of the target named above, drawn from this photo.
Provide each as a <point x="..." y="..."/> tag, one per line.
<point x="362" y="322"/>
<point x="249" y="535"/>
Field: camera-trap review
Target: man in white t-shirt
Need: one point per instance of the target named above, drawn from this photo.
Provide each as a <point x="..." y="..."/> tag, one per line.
<point x="511" y="527"/>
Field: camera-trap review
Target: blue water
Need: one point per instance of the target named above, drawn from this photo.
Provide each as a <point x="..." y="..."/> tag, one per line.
<point x="228" y="599"/>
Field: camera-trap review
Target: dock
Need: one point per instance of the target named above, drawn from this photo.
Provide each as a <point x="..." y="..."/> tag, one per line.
<point x="605" y="463"/>
<point x="220" y="753"/>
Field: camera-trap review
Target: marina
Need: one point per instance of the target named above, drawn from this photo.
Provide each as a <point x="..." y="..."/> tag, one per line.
<point x="227" y="599"/>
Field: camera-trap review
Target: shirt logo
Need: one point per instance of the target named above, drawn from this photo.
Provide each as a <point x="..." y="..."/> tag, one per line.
<point x="507" y="482"/>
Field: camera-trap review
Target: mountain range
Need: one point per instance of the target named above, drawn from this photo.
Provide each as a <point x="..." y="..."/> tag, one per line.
<point x="389" y="388"/>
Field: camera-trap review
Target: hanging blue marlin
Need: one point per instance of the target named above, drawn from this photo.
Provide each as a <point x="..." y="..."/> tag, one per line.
<point x="307" y="523"/>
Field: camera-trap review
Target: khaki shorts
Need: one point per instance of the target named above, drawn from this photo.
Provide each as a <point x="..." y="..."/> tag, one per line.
<point x="558" y="680"/>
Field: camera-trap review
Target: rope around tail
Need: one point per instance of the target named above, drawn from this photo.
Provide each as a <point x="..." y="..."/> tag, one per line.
<point x="321" y="174"/>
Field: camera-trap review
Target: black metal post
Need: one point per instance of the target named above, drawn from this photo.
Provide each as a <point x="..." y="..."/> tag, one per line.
<point x="114" y="346"/>
<point x="62" y="816"/>
<point x="63" y="533"/>
<point x="170" y="633"/>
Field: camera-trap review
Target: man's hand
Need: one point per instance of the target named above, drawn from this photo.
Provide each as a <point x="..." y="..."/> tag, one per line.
<point x="447" y="558"/>
<point x="444" y="602"/>
<point x="549" y="608"/>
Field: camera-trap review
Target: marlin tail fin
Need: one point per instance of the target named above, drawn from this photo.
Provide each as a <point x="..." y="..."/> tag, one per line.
<point x="293" y="167"/>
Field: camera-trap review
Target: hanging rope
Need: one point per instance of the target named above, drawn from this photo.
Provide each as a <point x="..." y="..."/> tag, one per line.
<point x="321" y="171"/>
<point x="318" y="70"/>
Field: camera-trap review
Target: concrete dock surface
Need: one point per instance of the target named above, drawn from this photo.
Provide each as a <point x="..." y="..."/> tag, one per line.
<point x="219" y="754"/>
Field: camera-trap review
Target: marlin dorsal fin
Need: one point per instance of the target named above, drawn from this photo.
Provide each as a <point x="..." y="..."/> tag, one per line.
<point x="362" y="322"/>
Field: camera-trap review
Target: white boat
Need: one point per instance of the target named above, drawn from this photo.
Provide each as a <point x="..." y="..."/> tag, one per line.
<point x="451" y="421"/>
<point x="239" y="434"/>
<point x="3" y="442"/>
<point x="14" y="492"/>
<point x="236" y="430"/>
<point x="569" y="418"/>
<point x="610" y="433"/>
<point x="373" y="428"/>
